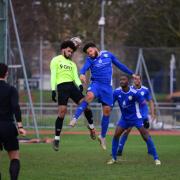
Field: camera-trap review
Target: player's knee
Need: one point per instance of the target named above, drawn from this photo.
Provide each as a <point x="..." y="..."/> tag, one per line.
<point x="106" y="111"/>
<point x="13" y="154"/>
<point x="117" y="134"/>
<point x="89" y="97"/>
<point x="62" y="112"/>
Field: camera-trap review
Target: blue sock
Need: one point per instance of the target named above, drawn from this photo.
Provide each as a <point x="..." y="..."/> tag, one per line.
<point x="80" y="109"/>
<point x="149" y="149"/>
<point x="152" y="148"/>
<point x="115" y="143"/>
<point x="104" y="126"/>
<point x="122" y="142"/>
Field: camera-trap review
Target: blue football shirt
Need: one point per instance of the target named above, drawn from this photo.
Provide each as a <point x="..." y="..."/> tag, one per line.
<point x="129" y="103"/>
<point x="101" y="67"/>
<point x="145" y="93"/>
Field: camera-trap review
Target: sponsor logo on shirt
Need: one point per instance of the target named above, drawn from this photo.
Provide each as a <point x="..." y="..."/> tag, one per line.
<point x="130" y="98"/>
<point x="65" y="67"/>
<point x="105" y="55"/>
<point x="100" y="61"/>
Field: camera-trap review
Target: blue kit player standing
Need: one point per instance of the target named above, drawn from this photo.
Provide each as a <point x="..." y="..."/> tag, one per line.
<point x="129" y="101"/>
<point x="100" y="65"/>
<point x="145" y="93"/>
<point x="9" y="108"/>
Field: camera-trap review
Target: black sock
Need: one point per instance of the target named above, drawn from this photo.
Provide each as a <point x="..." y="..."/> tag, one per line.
<point x="14" y="169"/>
<point x="89" y="116"/>
<point x="58" y="125"/>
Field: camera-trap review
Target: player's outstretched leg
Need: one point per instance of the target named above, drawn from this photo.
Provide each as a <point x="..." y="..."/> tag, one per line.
<point x="78" y="112"/>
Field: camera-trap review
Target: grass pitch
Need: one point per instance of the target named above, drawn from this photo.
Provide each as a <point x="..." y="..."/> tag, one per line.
<point x="81" y="158"/>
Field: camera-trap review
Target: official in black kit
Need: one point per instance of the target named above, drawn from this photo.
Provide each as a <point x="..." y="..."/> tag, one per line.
<point x="10" y="122"/>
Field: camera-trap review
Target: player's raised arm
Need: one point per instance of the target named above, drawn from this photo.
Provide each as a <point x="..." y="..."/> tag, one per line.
<point x="86" y="67"/>
<point x="83" y="70"/>
<point x="76" y="77"/>
<point x="120" y="65"/>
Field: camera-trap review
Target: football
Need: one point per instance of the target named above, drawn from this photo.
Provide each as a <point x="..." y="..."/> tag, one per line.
<point x="77" y="41"/>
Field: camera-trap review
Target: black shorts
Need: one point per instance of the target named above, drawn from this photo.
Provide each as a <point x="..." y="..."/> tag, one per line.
<point x="68" y="90"/>
<point x="8" y="136"/>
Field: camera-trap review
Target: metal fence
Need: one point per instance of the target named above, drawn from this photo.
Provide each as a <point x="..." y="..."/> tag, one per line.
<point x="169" y="117"/>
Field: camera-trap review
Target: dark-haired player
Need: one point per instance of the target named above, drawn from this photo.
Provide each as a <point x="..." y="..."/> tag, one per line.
<point x="64" y="79"/>
<point x="100" y="65"/>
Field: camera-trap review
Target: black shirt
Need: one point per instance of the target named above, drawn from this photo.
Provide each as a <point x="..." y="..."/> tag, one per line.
<point x="9" y="103"/>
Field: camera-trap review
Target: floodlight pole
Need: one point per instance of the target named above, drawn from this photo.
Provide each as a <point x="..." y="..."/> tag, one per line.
<point x="101" y="23"/>
<point x="41" y="74"/>
<point x="24" y="68"/>
<point x="172" y="68"/>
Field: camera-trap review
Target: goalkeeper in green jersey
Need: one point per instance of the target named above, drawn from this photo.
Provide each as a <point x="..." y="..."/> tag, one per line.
<point x="65" y="80"/>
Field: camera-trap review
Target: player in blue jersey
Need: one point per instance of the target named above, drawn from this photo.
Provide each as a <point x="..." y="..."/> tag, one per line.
<point x="100" y="65"/>
<point x="129" y="101"/>
<point x="145" y="93"/>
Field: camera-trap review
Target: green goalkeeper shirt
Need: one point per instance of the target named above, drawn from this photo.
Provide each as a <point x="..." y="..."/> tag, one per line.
<point x="63" y="70"/>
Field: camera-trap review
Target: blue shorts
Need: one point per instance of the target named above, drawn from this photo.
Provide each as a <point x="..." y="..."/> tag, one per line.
<point x="103" y="92"/>
<point x="125" y="124"/>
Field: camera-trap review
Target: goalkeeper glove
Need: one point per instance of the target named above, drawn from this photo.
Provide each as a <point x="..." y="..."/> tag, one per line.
<point x="53" y="95"/>
<point x="81" y="88"/>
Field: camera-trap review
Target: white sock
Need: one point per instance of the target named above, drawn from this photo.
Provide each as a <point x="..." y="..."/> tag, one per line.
<point x="57" y="138"/>
<point x="91" y="126"/>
